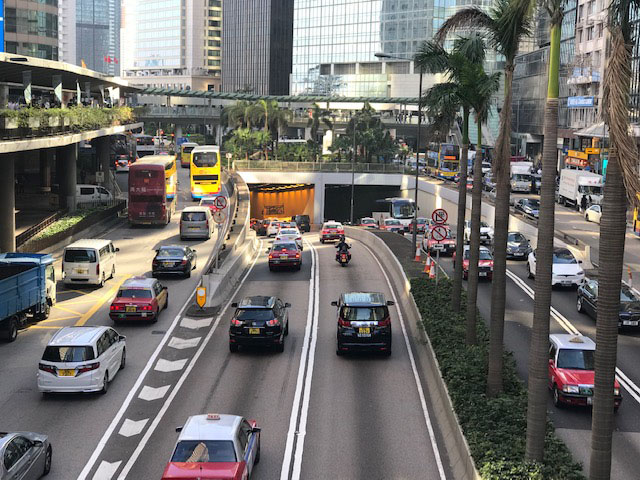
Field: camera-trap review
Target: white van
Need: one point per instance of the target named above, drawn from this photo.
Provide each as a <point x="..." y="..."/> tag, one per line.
<point x="92" y="194"/>
<point x="89" y="262"/>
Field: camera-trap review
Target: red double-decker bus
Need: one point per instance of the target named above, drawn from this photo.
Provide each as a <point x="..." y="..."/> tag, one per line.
<point x="148" y="203"/>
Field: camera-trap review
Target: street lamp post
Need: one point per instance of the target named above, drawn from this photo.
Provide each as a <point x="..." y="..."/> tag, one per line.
<point x="414" y="236"/>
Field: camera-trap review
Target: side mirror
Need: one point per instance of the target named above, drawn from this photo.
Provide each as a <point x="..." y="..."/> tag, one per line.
<point x="117" y="249"/>
<point x="37" y="443"/>
<point x="121" y="338"/>
<point x="194" y="251"/>
<point x="178" y="429"/>
<point x="334" y="303"/>
<point x="287" y="305"/>
<point x="389" y="303"/>
<point x="579" y="261"/>
<point x="234" y="305"/>
<point x="165" y="288"/>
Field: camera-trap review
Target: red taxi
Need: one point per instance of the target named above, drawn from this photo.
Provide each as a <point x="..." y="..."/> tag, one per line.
<point x="485" y="264"/>
<point x="139" y="298"/>
<point x="392" y="225"/>
<point x="209" y="202"/>
<point x="331" y="231"/>
<point x="368" y="222"/>
<point x="285" y="253"/>
<point x="421" y="223"/>
<point x="571" y="371"/>
<point x="446" y="246"/>
<point x="215" y="446"/>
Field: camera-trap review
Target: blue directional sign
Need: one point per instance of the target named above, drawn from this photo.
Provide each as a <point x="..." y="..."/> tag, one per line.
<point x="578" y="102"/>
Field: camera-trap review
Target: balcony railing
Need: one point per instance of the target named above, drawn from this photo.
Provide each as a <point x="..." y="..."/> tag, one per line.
<point x="189" y="111"/>
<point x="327" y="167"/>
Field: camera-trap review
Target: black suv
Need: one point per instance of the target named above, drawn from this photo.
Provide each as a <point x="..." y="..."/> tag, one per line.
<point x="259" y="321"/>
<point x="303" y="222"/>
<point x="363" y="323"/>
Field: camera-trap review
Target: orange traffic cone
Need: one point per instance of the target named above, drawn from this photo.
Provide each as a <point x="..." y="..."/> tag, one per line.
<point x="417" y="259"/>
<point x="432" y="272"/>
<point x="427" y="265"/>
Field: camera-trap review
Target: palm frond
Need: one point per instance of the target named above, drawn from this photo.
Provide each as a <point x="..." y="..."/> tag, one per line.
<point x="512" y="22"/>
<point x="472" y="47"/>
<point x="442" y="100"/>
<point x="431" y="57"/>
<point x="471" y="17"/>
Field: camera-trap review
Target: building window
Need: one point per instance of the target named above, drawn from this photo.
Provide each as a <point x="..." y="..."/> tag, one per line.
<point x="215" y="3"/>
<point x="215" y="33"/>
<point x="580" y="35"/>
<point x="213" y="53"/>
<point x="600" y="28"/>
<point x="214" y="13"/>
<point x="213" y="43"/>
<point x="580" y="12"/>
<point x="214" y="23"/>
<point x="589" y="33"/>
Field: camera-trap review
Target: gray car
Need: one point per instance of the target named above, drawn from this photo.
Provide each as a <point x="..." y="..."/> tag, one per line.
<point x="196" y="222"/>
<point x="25" y="455"/>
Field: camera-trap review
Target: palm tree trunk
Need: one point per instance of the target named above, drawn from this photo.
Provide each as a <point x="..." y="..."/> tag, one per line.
<point x="500" y="231"/>
<point x="539" y="348"/>
<point x="462" y="211"/>
<point x="474" y="254"/>
<point x="612" y="235"/>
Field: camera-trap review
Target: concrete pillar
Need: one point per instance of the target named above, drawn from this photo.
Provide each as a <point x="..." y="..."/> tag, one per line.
<point x="4" y="95"/>
<point x="68" y="177"/>
<point x="45" y="171"/>
<point x="178" y="132"/>
<point x="318" y="202"/>
<point x="7" y="203"/>
<point x="103" y="153"/>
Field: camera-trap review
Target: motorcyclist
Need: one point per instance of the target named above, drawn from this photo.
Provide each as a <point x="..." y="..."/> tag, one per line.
<point x="343" y="247"/>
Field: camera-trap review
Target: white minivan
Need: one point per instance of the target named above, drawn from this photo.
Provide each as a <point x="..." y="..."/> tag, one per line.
<point x="81" y="359"/>
<point x="89" y="262"/>
<point x="92" y="194"/>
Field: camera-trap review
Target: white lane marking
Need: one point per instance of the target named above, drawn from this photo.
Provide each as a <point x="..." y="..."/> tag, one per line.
<point x="182" y="343"/>
<point x="170" y="365"/>
<point x="156" y="421"/>
<point x="297" y="397"/>
<point x="150" y="393"/>
<point x="414" y="369"/>
<point x="192" y="324"/>
<point x="625" y="381"/>
<point x="130" y="428"/>
<point x="106" y="470"/>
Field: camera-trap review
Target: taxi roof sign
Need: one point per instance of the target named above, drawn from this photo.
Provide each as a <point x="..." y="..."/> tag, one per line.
<point x="213" y="416"/>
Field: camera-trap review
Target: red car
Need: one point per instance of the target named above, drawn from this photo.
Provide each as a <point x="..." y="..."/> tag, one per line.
<point x="392" y="225"/>
<point x="331" y="231"/>
<point x="139" y="298"/>
<point x="421" y="223"/>
<point x="368" y="222"/>
<point x="285" y="253"/>
<point x="571" y="371"/>
<point x="485" y="264"/>
<point x="469" y="184"/>
<point x="446" y="246"/>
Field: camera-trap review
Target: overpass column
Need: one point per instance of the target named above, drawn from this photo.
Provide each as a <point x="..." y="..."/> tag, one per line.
<point x="318" y="202"/>
<point x="68" y="176"/>
<point x="7" y="203"/>
<point x="45" y="171"/>
<point x="178" y="132"/>
<point x="104" y="160"/>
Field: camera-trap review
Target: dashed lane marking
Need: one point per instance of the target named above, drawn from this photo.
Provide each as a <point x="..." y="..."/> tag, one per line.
<point x="106" y="470"/>
<point x="130" y="428"/>
<point x="169" y="365"/>
<point x="182" y="343"/>
<point x="195" y="324"/>
<point x="150" y="393"/>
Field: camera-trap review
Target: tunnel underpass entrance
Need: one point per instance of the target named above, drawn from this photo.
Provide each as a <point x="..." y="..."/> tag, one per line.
<point x="281" y="200"/>
<point x="337" y="204"/>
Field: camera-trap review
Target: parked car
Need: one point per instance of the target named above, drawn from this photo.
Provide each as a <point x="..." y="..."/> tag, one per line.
<point x="196" y="222"/>
<point x="528" y="206"/>
<point x="139" y="298"/>
<point x="485" y="263"/>
<point x="593" y="213"/>
<point x="392" y="225"/>
<point x="331" y="231"/>
<point x="89" y="262"/>
<point x="285" y="254"/>
<point x="92" y="194"/>
<point x="81" y="359"/>
<point x="518" y="247"/>
<point x="174" y="259"/>
<point x="259" y="320"/>
<point x="486" y="232"/>
<point x="571" y="371"/>
<point x="566" y="270"/>
<point x="364" y="323"/>
<point x="587" y="302"/>
<point x="303" y="222"/>
<point x="368" y="222"/>
<point x="290" y="233"/>
<point x="25" y="455"/>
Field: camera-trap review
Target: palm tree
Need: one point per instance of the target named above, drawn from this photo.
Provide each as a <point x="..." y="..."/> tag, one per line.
<point x="318" y="116"/>
<point x="445" y="100"/>
<point x="506" y="23"/>
<point x="539" y="349"/>
<point x="622" y="177"/>
<point x="235" y="116"/>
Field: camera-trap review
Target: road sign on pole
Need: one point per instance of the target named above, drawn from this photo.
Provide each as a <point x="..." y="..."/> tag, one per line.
<point x="219" y="217"/>
<point x="220" y="202"/>
<point x="439" y="233"/>
<point x="201" y="296"/>
<point x="440" y="216"/>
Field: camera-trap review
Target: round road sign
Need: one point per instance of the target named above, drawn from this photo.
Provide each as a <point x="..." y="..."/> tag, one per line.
<point x="219" y="217"/>
<point x="220" y="202"/>
<point x="439" y="216"/>
<point x="439" y="233"/>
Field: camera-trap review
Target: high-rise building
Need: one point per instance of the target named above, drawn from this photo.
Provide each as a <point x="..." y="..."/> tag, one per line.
<point x="31" y="28"/>
<point x="67" y="31"/>
<point x="257" y="44"/>
<point x="172" y="43"/>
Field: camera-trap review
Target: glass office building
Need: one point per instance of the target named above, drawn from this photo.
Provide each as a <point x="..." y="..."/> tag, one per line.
<point x="31" y="28"/>
<point x="97" y="35"/>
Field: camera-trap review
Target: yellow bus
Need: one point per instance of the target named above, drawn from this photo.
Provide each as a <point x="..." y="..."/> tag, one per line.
<point x="170" y="171"/>
<point x="185" y="153"/>
<point x="205" y="171"/>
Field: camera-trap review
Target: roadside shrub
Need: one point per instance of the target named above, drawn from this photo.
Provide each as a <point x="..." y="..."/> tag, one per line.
<point x="495" y="428"/>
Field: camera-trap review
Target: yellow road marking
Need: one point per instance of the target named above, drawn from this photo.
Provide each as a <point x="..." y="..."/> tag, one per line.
<point x="106" y="296"/>
<point x="84" y="294"/>
<point x="61" y="319"/>
<point x="57" y="306"/>
<point x="77" y="302"/>
<point x="41" y="327"/>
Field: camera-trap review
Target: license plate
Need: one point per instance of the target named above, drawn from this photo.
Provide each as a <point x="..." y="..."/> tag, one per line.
<point x="66" y="373"/>
<point x="194" y="228"/>
<point x="589" y="400"/>
<point x="284" y="257"/>
<point x="130" y="309"/>
<point x="81" y="271"/>
<point x="364" y="330"/>
<point x="566" y="284"/>
<point x="633" y="323"/>
<point x="483" y="274"/>
<point x="519" y="254"/>
<point x="254" y="331"/>
<point x="167" y="264"/>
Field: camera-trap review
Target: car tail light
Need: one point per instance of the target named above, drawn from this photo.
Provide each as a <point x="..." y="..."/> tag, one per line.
<point x="324" y="232"/>
<point x="207" y="223"/>
<point x="341" y="232"/>
<point x="343" y="323"/>
<point x="88" y="368"/>
<point x="146" y="308"/>
<point x="47" y="368"/>
<point x="155" y="261"/>
<point x="270" y="256"/>
<point x="273" y="322"/>
<point x="298" y="255"/>
<point x="385" y="322"/>
<point x="236" y="323"/>
<point x="97" y="269"/>
<point x="116" y="307"/>
<point x="184" y="261"/>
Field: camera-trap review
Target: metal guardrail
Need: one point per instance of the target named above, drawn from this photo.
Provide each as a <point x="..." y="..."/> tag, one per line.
<point x="332" y="167"/>
<point x="36" y="229"/>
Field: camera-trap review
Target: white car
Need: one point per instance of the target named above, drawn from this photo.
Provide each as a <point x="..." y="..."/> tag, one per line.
<point x="274" y="226"/>
<point x="290" y="233"/>
<point x="486" y="232"/>
<point x="593" y="213"/>
<point x="566" y="270"/>
<point x="81" y="359"/>
<point x="486" y="168"/>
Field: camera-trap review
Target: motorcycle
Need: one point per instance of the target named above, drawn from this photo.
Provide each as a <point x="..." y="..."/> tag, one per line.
<point x="343" y="259"/>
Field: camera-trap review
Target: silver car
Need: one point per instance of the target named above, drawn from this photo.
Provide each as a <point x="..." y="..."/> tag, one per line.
<point x="25" y="455"/>
<point x="196" y="222"/>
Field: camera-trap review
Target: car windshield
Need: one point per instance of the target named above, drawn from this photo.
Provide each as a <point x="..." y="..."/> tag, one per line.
<point x="194" y="216"/>
<point x="283" y="247"/>
<point x="204" y="451"/>
<point x="207" y="201"/>
<point x="627" y="295"/>
<point x="68" y="354"/>
<point x="590" y="189"/>
<point x="563" y="257"/>
<point x="331" y="225"/>
<point x="288" y="231"/>
<point x="516" y="237"/>
<point x="302" y="218"/>
<point x="392" y="222"/>
<point x="364" y="314"/>
<point x="170" y="252"/>
<point x="484" y="225"/>
<point x="521" y="177"/>
<point x="533" y="203"/>
<point x="403" y="210"/>
<point x="576" y="359"/>
<point x="484" y="254"/>
<point x="187" y="149"/>
<point x="134" y="293"/>
<point x="205" y="159"/>
<point x="77" y="255"/>
<point x="254" y="314"/>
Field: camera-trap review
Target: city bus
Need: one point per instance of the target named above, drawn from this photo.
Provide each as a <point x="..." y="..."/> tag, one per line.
<point x="148" y="202"/>
<point x="185" y="153"/>
<point x="402" y="209"/>
<point x="636" y="220"/>
<point x="145" y="145"/>
<point x="205" y="171"/>
<point x="170" y="171"/>
<point x="444" y="160"/>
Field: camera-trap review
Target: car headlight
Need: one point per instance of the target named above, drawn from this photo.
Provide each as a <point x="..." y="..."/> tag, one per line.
<point x="571" y="389"/>
<point x="580" y="272"/>
<point x="616" y="391"/>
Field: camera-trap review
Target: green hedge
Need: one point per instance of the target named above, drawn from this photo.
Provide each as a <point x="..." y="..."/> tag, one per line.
<point x="80" y="118"/>
<point x="68" y="221"/>
<point x="495" y="428"/>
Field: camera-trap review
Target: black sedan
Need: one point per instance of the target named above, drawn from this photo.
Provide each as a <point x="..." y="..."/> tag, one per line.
<point x="518" y="247"/>
<point x="259" y="321"/>
<point x="528" y="206"/>
<point x="174" y="260"/>
<point x="629" y="303"/>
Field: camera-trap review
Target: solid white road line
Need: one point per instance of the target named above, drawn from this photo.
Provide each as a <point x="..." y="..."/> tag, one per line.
<point x="302" y="369"/>
<point x="414" y="369"/>
<point x="156" y="421"/>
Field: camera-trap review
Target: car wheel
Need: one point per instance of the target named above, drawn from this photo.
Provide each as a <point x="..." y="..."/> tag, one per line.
<point x="102" y="280"/>
<point x="387" y="353"/>
<point x="280" y="346"/>
<point x="586" y="217"/>
<point x="286" y="329"/>
<point x="615" y="409"/>
<point x="113" y="271"/>
<point x="105" y="383"/>
<point x="529" y="274"/>
<point x="123" y="359"/>
<point x="11" y="333"/>
<point x="257" y="459"/>
<point x="233" y="347"/>
<point x="321" y="241"/>
<point x="166" y="303"/>
<point x="47" y="461"/>
<point x="579" y="306"/>
<point x="188" y="273"/>
<point x="339" y="352"/>
<point x="299" y="267"/>
<point x="556" y="397"/>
